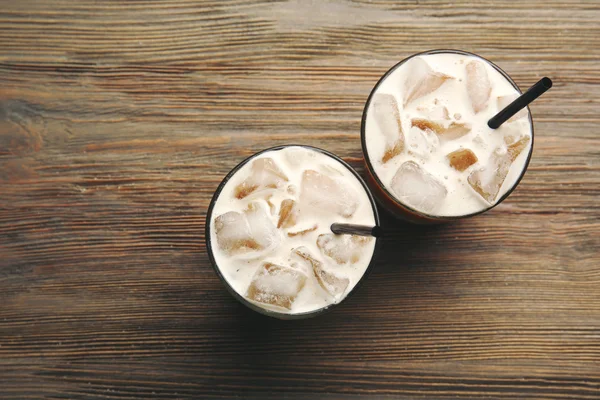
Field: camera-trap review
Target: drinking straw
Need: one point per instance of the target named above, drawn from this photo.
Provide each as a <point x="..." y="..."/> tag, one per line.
<point x="520" y="102"/>
<point x="360" y="230"/>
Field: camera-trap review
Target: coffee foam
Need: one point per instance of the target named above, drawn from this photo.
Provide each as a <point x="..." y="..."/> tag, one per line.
<point x="238" y="270"/>
<point x="482" y="140"/>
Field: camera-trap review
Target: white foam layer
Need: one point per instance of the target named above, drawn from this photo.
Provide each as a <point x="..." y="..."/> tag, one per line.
<point x="461" y="198"/>
<point x="293" y="161"/>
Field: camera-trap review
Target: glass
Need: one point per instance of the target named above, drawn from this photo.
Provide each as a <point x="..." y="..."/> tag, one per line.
<point x="381" y="193"/>
<point x="241" y="298"/>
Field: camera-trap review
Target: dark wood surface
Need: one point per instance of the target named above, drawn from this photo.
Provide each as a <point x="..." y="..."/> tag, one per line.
<point x="119" y="119"/>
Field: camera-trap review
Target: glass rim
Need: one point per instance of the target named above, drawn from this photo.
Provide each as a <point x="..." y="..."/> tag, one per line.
<point x="241" y="298"/>
<point x="367" y="159"/>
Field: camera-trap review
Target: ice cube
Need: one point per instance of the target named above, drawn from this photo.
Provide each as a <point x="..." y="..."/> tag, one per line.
<point x="262" y="229"/>
<point x="452" y="131"/>
<point x="334" y="284"/>
<point x="288" y="214"/>
<point x="264" y="174"/>
<point x="426" y="124"/>
<point x="298" y="156"/>
<point x="417" y="188"/>
<point x="421" y="80"/>
<point x="504" y="101"/>
<point x="488" y="180"/>
<point x="422" y="142"/>
<point x="328" y="194"/>
<point x="478" y="85"/>
<point x="455" y="130"/>
<point x="387" y="116"/>
<point x="329" y="170"/>
<point x="233" y="233"/>
<point x="515" y="145"/>
<point x="478" y="140"/>
<point x="270" y="204"/>
<point x="343" y="249"/>
<point x="303" y="232"/>
<point x="437" y="112"/>
<point x="461" y="159"/>
<point x="276" y="285"/>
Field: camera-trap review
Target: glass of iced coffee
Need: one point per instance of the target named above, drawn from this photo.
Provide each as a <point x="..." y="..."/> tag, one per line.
<point x="268" y="231"/>
<point x="429" y="153"/>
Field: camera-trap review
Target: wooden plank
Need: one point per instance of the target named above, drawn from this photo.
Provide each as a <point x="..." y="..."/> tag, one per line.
<point x="119" y="119"/>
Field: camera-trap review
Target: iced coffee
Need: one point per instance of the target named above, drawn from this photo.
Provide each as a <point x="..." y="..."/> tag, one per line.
<point x="429" y="151"/>
<point x="269" y="233"/>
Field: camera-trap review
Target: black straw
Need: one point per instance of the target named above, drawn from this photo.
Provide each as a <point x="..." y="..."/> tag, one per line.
<point x="520" y="102"/>
<point x="351" y="229"/>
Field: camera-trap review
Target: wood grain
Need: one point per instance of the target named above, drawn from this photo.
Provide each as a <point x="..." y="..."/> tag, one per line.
<point x="119" y="119"/>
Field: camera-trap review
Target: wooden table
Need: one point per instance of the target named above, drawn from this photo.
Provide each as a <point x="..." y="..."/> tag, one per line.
<point x="119" y="119"/>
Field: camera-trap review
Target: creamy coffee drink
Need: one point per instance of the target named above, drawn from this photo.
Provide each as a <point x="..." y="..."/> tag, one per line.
<point x="427" y="139"/>
<point x="270" y="232"/>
